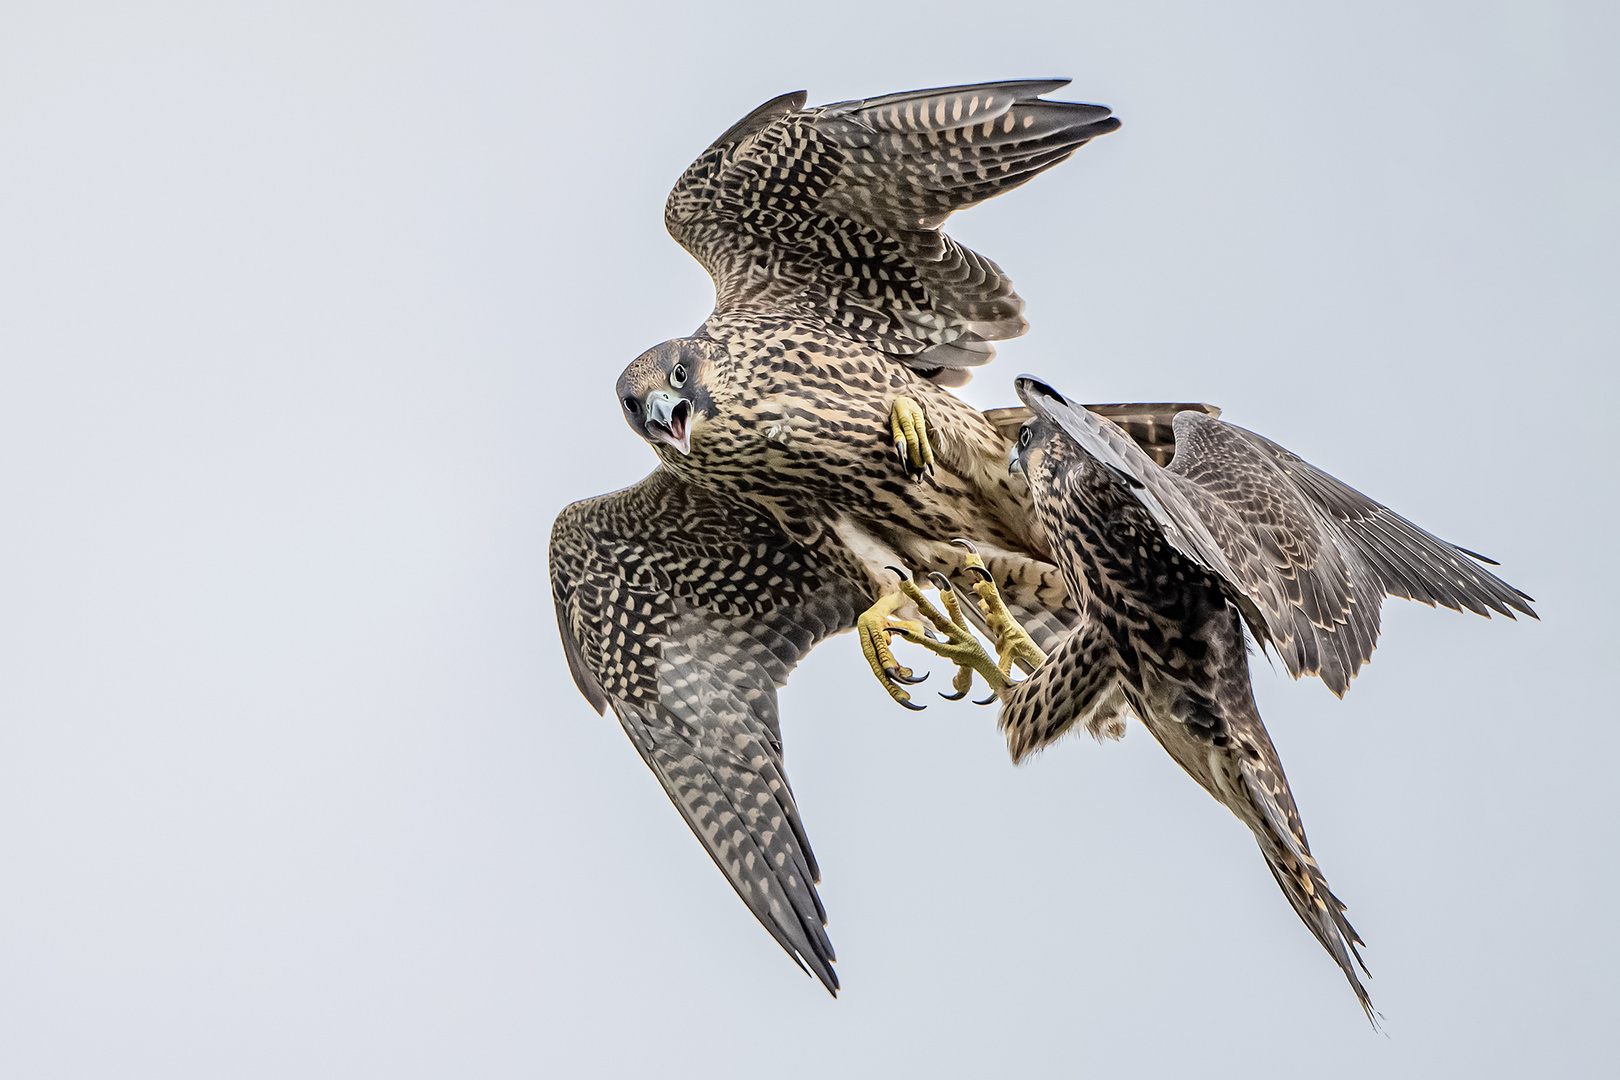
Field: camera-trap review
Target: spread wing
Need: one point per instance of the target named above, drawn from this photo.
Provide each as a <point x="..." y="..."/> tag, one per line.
<point x="1309" y="558"/>
<point x="834" y="213"/>
<point x="684" y="612"/>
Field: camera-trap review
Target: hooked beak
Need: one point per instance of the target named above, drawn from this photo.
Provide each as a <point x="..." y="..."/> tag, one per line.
<point x="668" y="419"/>
<point x="1015" y="464"/>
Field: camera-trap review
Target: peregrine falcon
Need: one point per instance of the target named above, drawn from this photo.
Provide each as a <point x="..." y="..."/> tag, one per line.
<point x="841" y="313"/>
<point x="779" y="511"/>
<point x="1167" y="565"/>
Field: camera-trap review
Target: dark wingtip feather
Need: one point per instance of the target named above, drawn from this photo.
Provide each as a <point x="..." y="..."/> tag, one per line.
<point x="1029" y="384"/>
<point x="770" y="110"/>
<point x="1486" y="559"/>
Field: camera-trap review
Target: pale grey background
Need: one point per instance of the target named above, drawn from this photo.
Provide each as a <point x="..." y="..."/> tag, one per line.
<point x="309" y="317"/>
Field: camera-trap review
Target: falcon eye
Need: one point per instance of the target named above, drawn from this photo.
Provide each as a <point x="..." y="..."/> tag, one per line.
<point x="677" y="378"/>
<point x="633" y="405"/>
<point x="1023" y="437"/>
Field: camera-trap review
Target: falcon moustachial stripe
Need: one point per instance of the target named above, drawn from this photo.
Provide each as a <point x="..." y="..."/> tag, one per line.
<point x="1168" y="563"/>
<point x="779" y="507"/>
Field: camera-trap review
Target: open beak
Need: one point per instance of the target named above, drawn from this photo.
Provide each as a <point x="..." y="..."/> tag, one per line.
<point x="668" y="419"/>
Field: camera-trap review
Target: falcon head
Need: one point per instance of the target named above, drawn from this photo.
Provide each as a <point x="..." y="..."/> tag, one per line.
<point x="1034" y="439"/>
<point x="1040" y="438"/>
<point x="663" y="393"/>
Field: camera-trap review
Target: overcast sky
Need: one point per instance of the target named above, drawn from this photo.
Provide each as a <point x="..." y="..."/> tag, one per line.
<point x="309" y="322"/>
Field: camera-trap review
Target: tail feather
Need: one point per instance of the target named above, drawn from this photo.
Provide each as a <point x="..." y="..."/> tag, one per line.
<point x="1288" y="856"/>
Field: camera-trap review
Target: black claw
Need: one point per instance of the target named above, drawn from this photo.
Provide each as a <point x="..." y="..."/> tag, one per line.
<point x="984" y="575"/>
<point x="991" y="700"/>
<point x="931" y="473"/>
<point x="913" y="708"/>
<point x="958" y="696"/>
<point x="941" y="582"/>
<point x="959" y="542"/>
<point x="901" y="630"/>
<point x="907" y="679"/>
<point x="899" y="573"/>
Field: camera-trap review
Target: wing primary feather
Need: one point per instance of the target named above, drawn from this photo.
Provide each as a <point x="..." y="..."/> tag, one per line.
<point x="1486" y="559"/>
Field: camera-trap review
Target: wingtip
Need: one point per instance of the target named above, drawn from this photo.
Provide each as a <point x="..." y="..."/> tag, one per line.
<point x="1028" y="385"/>
<point x="1057" y="82"/>
<point x="820" y="969"/>
<point x="1486" y="559"/>
<point x="779" y="105"/>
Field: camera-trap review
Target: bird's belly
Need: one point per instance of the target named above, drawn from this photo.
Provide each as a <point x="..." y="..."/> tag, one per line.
<point x="798" y="461"/>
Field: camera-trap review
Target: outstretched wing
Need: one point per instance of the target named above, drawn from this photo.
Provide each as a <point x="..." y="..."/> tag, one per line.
<point x="1328" y="545"/>
<point x="1309" y="558"/>
<point x="834" y="213"/>
<point x="684" y="612"/>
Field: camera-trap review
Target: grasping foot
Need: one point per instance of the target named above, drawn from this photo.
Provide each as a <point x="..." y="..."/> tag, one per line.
<point x="873" y="628"/>
<point x="1013" y="643"/>
<point x="908" y="424"/>
<point x="957" y="643"/>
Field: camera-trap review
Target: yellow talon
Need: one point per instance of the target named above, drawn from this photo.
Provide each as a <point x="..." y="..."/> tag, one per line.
<point x="956" y="644"/>
<point x="875" y="626"/>
<point x="873" y="630"/>
<point x="963" y="682"/>
<point x="956" y="641"/>
<point x="908" y="425"/>
<point x="1013" y="642"/>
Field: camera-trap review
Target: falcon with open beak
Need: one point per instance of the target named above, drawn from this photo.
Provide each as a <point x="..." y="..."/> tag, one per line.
<point x="662" y="392"/>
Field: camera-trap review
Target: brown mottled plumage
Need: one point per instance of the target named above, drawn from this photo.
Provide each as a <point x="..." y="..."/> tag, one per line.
<point x="836" y="295"/>
<point x="685" y="611"/>
<point x="1168" y="563"/>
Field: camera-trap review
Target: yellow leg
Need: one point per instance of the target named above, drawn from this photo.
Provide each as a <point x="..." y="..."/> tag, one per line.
<point x="873" y="628"/>
<point x="1013" y="642"/>
<point x="958" y="645"/>
<point x="877" y="624"/>
<point x="955" y="643"/>
<point x="908" y="425"/>
<point x="963" y="682"/>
